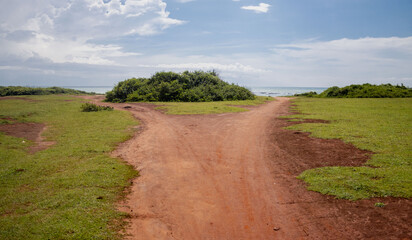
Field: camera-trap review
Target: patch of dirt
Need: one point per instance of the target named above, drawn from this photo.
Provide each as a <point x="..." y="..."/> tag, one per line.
<point x="233" y="176"/>
<point x="29" y="131"/>
<point x="297" y="151"/>
<point x="300" y="121"/>
<point x="18" y="98"/>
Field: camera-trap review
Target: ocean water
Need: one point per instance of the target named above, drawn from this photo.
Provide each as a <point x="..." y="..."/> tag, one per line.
<point x="260" y="91"/>
<point x="95" y="89"/>
<point x="283" y="91"/>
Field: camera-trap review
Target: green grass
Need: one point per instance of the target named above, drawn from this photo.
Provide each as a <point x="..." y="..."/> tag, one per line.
<point x="181" y="108"/>
<point x="68" y="191"/>
<point x="383" y="126"/>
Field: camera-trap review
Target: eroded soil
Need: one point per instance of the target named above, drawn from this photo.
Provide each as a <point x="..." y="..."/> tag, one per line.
<point x="29" y="131"/>
<point x="233" y="176"/>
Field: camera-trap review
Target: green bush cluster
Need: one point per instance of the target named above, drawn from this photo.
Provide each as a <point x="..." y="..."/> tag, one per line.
<point x="91" y="107"/>
<point x="363" y="91"/>
<point x="198" y="86"/>
<point x="18" y="90"/>
<point x="306" y="94"/>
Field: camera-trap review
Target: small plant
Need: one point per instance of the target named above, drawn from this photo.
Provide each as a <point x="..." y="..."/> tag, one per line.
<point x="91" y="107"/>
<point x="379" y="204"/>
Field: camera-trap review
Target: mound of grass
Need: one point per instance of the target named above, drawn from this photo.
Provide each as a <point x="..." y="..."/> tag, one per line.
<point x="68" y="191"/>
<point x="363" y="91"/>
<point x="383" y="126"/>
<point x="17" y="90"/>
<point x="195" y="86"/>
<point x="182" y="108"/>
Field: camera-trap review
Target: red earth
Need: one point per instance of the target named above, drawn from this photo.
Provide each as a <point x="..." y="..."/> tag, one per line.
<point x="233" y="176"/>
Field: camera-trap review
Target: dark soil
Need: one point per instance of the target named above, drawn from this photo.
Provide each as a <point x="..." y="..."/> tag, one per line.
<point x="29" y="131"/>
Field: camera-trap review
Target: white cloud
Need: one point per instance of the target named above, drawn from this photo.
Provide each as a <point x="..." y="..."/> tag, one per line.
<point x="233" y="67"/>
<point x="344" y="61"/>
<point x="347" y="51"/>
<point x="261" y="8"/>
<point x="64" y="31"/>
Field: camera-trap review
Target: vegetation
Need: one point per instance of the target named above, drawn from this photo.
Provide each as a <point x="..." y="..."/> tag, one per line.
<point x="91" y="107"/>
<point x="379" y="204"/>
<point x="363" y="91"/>
<point x="195" y="86"/>
<point x="182" y="108"/>
<point x="17" y="90"/>
<point x="383" y="126"/>
<point x="68" y="191"/>
<point x="306" y="94"/>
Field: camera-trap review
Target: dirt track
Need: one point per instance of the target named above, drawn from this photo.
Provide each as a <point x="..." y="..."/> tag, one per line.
<point x="233" y="176"/>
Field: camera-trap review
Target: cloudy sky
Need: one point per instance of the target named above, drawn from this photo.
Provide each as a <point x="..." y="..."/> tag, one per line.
<point x="312" y="43"/>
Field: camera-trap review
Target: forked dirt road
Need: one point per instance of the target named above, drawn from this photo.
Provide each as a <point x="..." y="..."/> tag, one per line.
<point x="233" y="176"/>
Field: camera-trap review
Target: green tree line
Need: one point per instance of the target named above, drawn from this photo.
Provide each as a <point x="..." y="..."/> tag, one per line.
<point x="363" y="91"/>
<point x="18" y="90"/>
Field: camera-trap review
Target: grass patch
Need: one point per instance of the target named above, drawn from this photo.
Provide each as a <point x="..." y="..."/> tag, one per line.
<point x="69" y="190"/>
<point x="383" y="126"/>
<point x="181" y="108"/>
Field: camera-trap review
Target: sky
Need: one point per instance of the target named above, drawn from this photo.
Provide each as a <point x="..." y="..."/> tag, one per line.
<point x="299" y="43"/>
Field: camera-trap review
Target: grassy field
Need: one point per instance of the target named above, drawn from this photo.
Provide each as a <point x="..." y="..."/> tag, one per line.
<point x="68" y="191"/>
<point x="181" y="108"/>
<point x="383" y="126"/>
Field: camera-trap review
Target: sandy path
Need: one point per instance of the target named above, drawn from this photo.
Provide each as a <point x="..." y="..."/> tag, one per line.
<point x="233" y="176"/>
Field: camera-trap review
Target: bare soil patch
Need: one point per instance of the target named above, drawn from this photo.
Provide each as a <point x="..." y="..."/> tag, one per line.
<point x="29" y="131"/>
<point x="233" y="176"/>
<point x="338" y="219"/>
<point x="17" y="98"/>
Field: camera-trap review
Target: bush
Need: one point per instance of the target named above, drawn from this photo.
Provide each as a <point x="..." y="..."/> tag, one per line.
<point x="188" y="86"/>
<point x="368" y="91"/>
<point x="306" y="94"/>
<point x="91" y="107"/>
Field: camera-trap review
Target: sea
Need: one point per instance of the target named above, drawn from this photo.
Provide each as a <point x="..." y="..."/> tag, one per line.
<point x="259" y="91"/>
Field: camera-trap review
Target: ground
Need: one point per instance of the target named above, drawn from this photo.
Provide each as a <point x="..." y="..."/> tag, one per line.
<point x="233" y="176"/>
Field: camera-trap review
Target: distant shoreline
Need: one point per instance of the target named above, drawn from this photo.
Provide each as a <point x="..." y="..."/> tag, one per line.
<point x="259" y="91"/>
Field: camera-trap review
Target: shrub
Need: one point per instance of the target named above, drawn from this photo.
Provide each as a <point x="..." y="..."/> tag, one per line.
<point x="91" y="107"/>
<point x="368" y="91"/>
<point x="197" y="86"/>
<point x="306" y="94"/>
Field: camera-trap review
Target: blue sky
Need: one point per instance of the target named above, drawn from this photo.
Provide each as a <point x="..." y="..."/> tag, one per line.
<point x="313" y="43"/>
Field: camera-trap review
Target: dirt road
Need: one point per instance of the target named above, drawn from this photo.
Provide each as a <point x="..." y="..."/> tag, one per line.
<point x="233" y="176"/>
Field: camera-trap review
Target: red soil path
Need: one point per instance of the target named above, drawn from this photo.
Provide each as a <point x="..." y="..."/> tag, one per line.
<point x="233" y="176"/>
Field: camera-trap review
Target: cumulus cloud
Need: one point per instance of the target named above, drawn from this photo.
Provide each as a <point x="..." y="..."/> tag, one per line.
<point x="261" y="8"/>
<point x="64" y="31"/>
